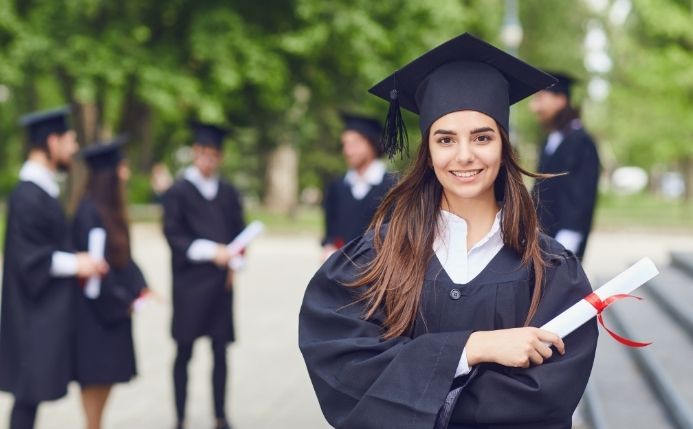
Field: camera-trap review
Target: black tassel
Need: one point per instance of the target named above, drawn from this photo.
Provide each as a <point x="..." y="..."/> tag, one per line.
<point x="394" y="140"/>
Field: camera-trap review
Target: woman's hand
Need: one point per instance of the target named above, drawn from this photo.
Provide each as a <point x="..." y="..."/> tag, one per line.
<point x="516" y="347"/>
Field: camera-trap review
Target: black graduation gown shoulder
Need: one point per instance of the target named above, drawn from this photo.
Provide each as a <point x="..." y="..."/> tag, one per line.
<point x="202" y="304"/>
<point x="568" y="202"/>
<point x="36" y="324"/>
<point x="105" y="352"/>
<point x="346" y="217"/>
<point x="365" y="382"/>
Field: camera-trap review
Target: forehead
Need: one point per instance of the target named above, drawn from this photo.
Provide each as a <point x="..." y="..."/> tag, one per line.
<point x="464" y="120"/>
<point x="207" y="150"/>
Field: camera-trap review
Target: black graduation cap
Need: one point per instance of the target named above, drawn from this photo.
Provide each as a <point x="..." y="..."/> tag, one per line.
<point x="368" y="127"/>
<point x="41" y="124"/>
<point x="208" y="134"/>
<point x="564" y="85"/>
<point x="104" y="154"/>
<point x="464" y="73"/>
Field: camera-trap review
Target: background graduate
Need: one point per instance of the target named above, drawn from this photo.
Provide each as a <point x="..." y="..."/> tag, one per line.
<point x="352" y="199"/>
<point x="202" y="214"/>
<point x="39" y="273"/>
<point x="430" y="319"/>
<point x="566" y="203"/>
<point x="104" y="348"/>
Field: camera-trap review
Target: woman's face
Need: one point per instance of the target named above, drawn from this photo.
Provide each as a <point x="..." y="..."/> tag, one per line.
<point x="123" y="172"/>
<point x="465" y="150"/>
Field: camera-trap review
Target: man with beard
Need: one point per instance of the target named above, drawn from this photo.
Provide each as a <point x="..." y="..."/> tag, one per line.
<point x="39" y="274"/>
<point x="565" y="204"/>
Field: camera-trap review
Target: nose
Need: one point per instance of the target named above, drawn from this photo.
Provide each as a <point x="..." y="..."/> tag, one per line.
<point x="465" y="155"/>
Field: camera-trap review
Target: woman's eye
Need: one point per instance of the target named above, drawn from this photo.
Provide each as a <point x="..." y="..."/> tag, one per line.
<point x="445" y="140"/>
<point x="483" y="139"/>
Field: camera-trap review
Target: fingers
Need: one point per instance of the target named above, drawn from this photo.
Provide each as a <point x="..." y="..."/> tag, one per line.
<point x="535" y="357"/>
<point x="552" y="339"/>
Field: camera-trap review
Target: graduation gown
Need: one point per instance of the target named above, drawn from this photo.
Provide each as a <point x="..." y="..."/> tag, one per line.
<point x="567" y="202"/>
<point x="105" y="353"/>
<point x="202" y="303"/>
<point x="347" y="217"/>
<point x="365" y="382"/>
<point x="37" y="309"/>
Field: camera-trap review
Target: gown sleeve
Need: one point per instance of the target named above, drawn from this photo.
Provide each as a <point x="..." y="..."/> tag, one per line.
<point x="330" y="209"/>
<point x="178" y="237"/>
<point x="361" y="380"/>
<point x="581" y="188"/>
<point x="32" y="243"/>
<point x="544" y="393"/>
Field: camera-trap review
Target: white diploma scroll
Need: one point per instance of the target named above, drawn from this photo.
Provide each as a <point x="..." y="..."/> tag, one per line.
<point x="626" y="282"/>
<point x="241" y="242"/>
<point x="97" y="248"/>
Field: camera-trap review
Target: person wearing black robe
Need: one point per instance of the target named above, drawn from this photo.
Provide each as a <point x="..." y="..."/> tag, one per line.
<point x="433" y="324"/>
<point x="36" y="325"/>
<point x="351" y="200"/>
<point x="105" y="352"/>
<point x="565" y="203"/>
<point x="202" y="214"/>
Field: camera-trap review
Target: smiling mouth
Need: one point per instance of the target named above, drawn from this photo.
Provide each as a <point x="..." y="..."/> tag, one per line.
<point x="466" y="173"/>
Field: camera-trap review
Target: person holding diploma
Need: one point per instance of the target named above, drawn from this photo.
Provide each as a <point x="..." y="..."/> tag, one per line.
<point x="202" y="215"/>
<point x="105" y="353"/>
<point x="352" y="199"/>
<point x="430" y="319"/>
<point x="38" y="285"/>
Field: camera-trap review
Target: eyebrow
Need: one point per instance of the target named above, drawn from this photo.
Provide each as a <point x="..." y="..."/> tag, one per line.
<point x="474" y="131"/>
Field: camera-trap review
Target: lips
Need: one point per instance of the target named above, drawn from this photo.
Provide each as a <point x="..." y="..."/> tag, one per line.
<point x="465" y="174"/>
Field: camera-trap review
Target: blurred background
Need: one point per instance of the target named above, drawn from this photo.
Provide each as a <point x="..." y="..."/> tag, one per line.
<point x="277" y="72"/>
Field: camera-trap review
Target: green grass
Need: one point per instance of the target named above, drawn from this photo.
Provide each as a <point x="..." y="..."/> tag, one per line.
<point x="643" y="211"/>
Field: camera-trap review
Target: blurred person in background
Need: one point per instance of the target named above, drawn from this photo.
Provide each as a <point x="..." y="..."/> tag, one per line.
<point x="352" y="199"/>
<point x="565" y="204"/>
<point x="37" y="325"/>
<point x="105" y="353"/>
<point x="202" y="214"/>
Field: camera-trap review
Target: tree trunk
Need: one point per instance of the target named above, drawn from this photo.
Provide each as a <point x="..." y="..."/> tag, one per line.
<point x="136" y="121"/>
<point x="282" y="180"/>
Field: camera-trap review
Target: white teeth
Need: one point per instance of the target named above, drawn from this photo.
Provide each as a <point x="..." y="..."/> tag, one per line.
<point x="466" y="173"/>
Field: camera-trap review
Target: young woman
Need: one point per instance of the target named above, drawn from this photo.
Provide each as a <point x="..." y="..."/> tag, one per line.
<point x="105" y="353"/>
<point x="430" y="319"/>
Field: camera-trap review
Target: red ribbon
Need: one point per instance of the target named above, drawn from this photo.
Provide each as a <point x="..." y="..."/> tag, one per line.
<point x="600" y="305"/>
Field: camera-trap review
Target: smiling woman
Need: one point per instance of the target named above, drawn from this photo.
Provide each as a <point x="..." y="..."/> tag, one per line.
<point x="430" y="318"/>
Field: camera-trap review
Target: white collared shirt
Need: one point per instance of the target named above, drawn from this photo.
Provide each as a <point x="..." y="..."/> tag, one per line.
<point x="554" y="140"/>
<point x="462" y="266"/>
<point x="63" y="264"/>
<point x="362" y="184"/>
<point x="40" y="176"/>
<point x="208" y="186"/>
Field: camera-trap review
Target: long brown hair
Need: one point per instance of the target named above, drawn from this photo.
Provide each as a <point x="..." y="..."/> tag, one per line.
<point x="107" y="192"/>
<point x="396" y="275"/>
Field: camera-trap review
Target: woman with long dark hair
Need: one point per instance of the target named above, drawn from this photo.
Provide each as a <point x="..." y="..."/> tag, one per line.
<point x="104" y="347"/>
<point x="430" y="319"/>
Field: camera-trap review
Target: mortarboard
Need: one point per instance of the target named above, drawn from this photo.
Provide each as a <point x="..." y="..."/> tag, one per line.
<point x="564" y="84"/>
<point x="464" y="73"/>
<point x="368" y="127"/>
<point x="40" y="125"/>
<point x="208" y="134"/>
<point x="104" y="155"/>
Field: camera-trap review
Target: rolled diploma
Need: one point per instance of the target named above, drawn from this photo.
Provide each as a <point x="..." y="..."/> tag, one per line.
<point x="241" y="242"/>
<point x="626" y="282"/>
<point x="97" y="247"/>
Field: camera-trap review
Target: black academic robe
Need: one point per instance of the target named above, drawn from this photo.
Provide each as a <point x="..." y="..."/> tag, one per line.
<point x="202" y="301"/>
<point x="346" y="217"/>
<point x="37" y="309"/>
<point x="567" y="202"/>
<point x="365" y="382"/>
<point x="105" y="353"/>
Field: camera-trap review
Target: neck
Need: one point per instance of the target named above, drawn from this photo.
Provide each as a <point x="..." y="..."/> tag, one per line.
<point x="41" y="158"/>
<point x="479" y="213"/>
<point x="361" y="170"/>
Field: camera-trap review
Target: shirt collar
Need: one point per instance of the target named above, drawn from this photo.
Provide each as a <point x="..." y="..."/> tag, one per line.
<point x="449" y="224"/>
<point x="208" y="186"/>
<point x="373" y="175"/>
<point x="41" y="176"/>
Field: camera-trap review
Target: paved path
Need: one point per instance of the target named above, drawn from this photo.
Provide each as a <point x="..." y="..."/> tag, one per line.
<point x="269" y="384"/>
